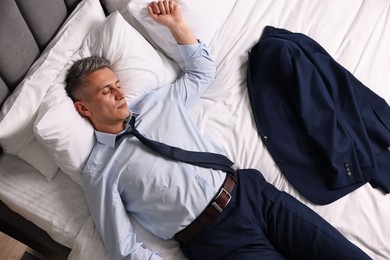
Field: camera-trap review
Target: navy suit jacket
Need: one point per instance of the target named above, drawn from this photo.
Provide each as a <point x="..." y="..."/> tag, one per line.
<point x="328" y="133"/>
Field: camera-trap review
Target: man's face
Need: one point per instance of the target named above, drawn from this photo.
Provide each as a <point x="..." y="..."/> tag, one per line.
<point x="106" y="106"/>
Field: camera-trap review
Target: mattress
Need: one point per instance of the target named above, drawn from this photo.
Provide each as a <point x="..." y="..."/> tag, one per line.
<point x="355" y="33"/>
<point x="58" y="206"/>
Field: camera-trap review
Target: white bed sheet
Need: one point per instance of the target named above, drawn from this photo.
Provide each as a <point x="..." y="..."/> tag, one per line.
<point x="355" y="33"/>
<point x="58" y="206"/>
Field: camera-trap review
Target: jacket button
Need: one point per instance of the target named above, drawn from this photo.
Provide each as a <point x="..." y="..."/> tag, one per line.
<point x="265" y="138"/>
<point x="347" y="169"/>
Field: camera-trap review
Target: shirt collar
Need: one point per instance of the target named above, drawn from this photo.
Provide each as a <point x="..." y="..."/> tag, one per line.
<point x="109" y="139"/>
<point x="105" y="138"/>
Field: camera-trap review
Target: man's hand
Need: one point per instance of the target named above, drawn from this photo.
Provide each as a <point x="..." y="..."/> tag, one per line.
<point x="167" y="12"/>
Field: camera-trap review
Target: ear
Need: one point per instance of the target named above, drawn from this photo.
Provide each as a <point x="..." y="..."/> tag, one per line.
<point x="82" y="109"/>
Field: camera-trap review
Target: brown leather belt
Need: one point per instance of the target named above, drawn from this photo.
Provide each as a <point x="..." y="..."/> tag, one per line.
<point x="216" y="206"/>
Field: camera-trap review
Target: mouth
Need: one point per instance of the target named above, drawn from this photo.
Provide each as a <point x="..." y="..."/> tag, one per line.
<point x="122" y="106"/>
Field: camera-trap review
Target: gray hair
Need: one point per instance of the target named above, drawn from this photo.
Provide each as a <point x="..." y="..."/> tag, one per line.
<point x="76" y="85"/>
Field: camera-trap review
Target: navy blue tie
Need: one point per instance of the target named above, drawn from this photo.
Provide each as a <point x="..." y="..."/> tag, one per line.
<point x="202" y="159"/>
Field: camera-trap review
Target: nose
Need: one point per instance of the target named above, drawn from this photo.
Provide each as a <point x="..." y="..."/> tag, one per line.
<point x="119" y="94"/>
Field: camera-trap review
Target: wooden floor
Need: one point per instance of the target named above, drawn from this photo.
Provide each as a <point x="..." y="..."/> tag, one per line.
<point x="11" y="249"/>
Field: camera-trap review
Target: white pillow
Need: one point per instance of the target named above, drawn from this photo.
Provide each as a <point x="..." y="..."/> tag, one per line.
<point x="20" y="109"/>
<point x="204" y="17"/>
<point x="67" y="136"/>
<point x="139" y="67"/>
<point x="36" y="154"/>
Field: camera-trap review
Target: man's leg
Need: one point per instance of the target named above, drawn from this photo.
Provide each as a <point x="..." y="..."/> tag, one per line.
<point x="298" y="232"/>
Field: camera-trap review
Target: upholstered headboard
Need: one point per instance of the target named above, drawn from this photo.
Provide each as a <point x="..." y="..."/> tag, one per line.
<point x="26" y="27"/>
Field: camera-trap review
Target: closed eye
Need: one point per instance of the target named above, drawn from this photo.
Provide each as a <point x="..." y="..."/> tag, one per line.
<point x="118" y="84"/>
<point x="106" y="90"/>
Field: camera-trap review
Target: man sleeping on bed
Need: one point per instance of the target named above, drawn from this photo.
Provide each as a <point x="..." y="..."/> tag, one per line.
<point x="217" y="212"/>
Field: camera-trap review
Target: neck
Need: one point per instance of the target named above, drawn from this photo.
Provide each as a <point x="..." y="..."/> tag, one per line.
<point x="110" y="129"/>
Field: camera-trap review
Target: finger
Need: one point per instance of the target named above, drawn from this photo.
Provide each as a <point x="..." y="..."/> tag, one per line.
<point x="154" y="8"/>
<point x="172" y="5"/>
<point x="167" y="7"/>
<point x="161" y="7"/>
<point x="151" y="13"/>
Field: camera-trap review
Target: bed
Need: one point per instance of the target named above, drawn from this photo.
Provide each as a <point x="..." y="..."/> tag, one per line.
<point x="42" y="201"/>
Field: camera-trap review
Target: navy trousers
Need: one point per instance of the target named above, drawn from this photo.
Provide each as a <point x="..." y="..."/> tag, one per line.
<point x="262" y="222"/>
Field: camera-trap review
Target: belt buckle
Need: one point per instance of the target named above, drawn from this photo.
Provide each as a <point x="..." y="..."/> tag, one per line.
<point x="216" y="206"/>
